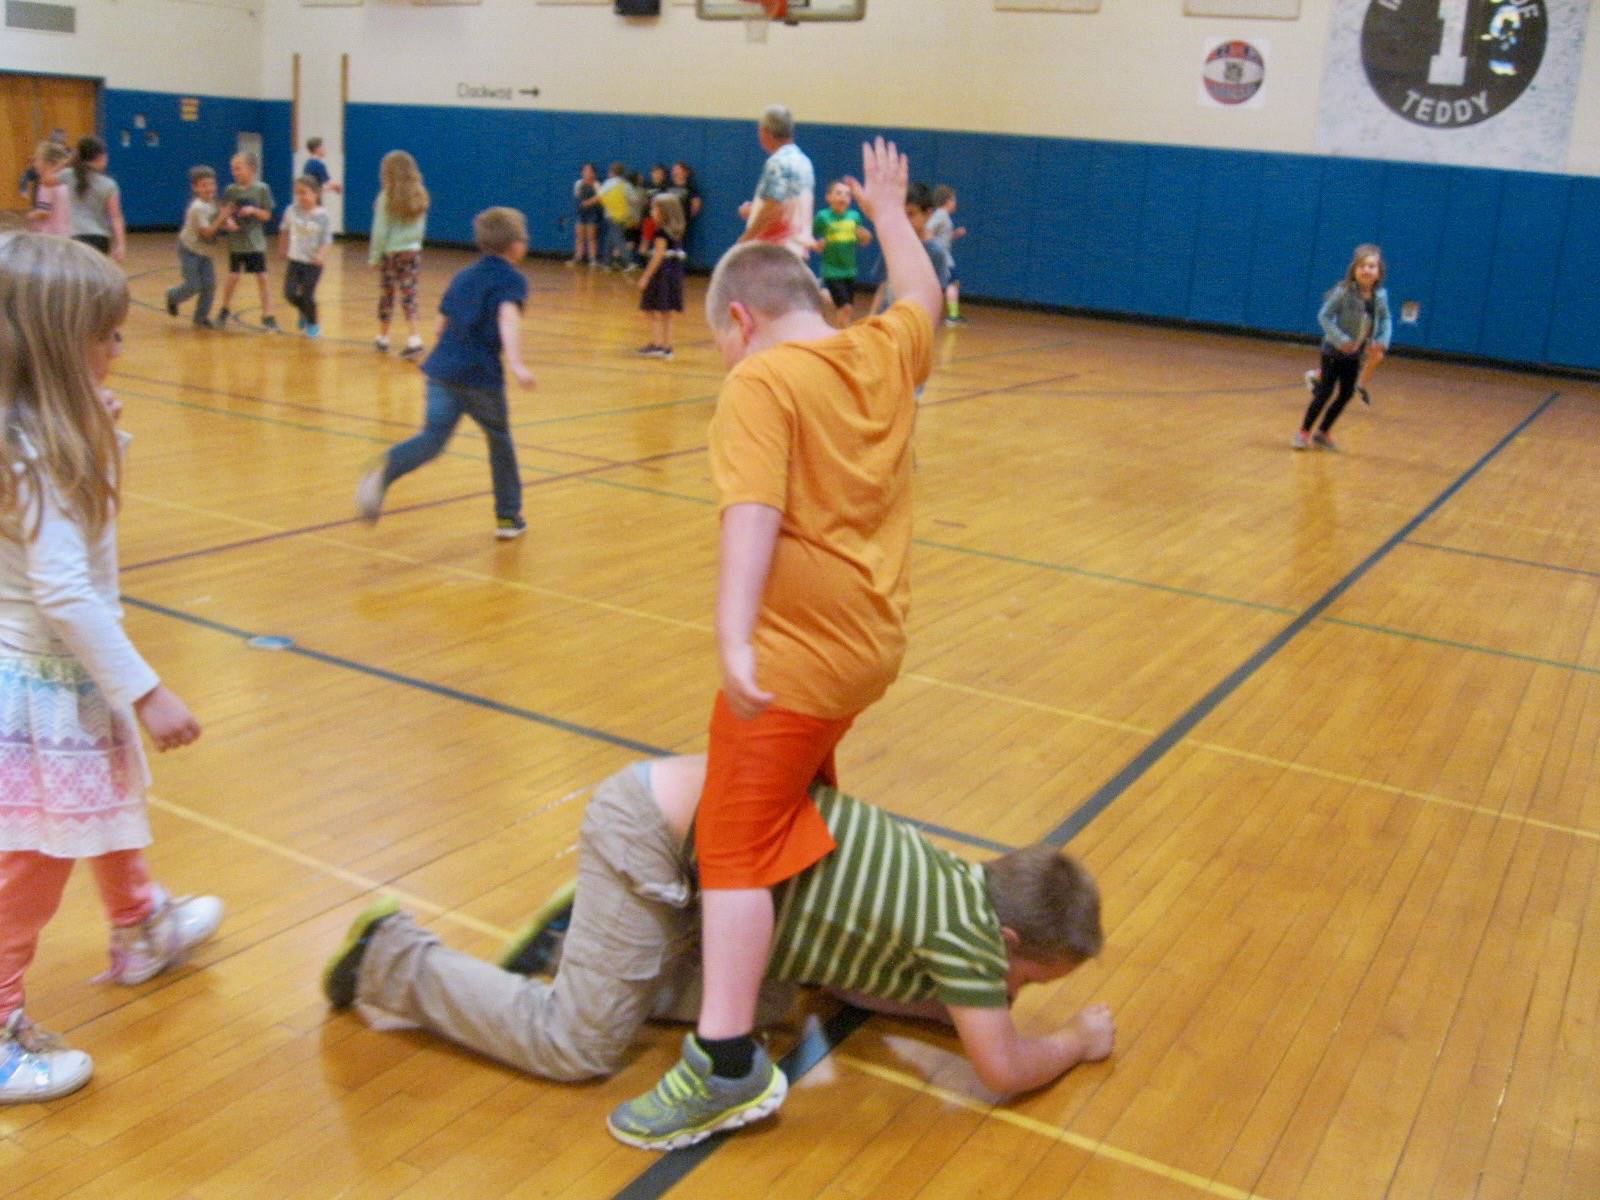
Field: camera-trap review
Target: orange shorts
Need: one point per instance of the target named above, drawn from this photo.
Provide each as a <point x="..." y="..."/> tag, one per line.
<point x="756" y="825"/>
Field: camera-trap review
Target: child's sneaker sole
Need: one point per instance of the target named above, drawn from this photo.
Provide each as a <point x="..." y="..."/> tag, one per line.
<point x="35" y="1066"/>
<point x="523" y="954"/>
<point x="339" y="975"/>
<point x="748" y="1113"/>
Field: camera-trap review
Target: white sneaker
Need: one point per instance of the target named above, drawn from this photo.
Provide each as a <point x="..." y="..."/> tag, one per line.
<point x="382" y="344"/>
<point x="35" y="1066"/>
<point x="413" y="348"/>
<point x="163" y="939"/>
<point x="369" y="493"/>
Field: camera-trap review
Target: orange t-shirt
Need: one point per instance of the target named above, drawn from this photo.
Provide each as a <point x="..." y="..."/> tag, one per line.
<point x="821" y="431"/>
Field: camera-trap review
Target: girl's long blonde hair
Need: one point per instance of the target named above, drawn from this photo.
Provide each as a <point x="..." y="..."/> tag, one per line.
<point x="57" y="297"/>
<point x="671" y="210"/>
<point x="404" y="196"/>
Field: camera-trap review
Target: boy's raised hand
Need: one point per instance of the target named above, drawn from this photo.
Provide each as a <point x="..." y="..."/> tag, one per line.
<point x="887" y="173"/>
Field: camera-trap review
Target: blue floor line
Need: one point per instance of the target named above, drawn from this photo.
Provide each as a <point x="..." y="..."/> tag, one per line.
<point x="1202" y="708"/>
<point x="510" y="710"/>
<point x="669" y="1170"/>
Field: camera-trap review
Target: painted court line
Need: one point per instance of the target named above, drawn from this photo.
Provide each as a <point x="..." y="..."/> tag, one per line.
<point x="1514" y="655"/>
<point x="1103" y="576"/>
<point x="997" y="391"/>
<point x="1505" y="558"/>
<point x="1202" y="708"/>
<point x="359" y="882"/>
<point x="669" y="1170"/>
<point x="1481" y="810"/>
<point x="943" y="684"/>
<point x="338" y="413"/>
<point x="590" y="475"/>
<point x="1098" y="1149"/>
<point x="511" y="710"/>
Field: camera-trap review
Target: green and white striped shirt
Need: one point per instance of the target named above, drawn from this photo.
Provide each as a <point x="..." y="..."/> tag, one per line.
<point x="889" y="915"/>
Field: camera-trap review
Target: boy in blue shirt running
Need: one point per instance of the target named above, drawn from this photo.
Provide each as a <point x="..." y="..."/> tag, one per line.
<point x="480" y="318"/>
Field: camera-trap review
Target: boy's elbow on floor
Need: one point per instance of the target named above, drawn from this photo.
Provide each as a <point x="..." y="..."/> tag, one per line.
<point x="999" y="1073"/>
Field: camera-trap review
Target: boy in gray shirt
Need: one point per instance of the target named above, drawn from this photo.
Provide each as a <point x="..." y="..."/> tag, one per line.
<point x="249" y="204"/>
<point x="201" y="222"/>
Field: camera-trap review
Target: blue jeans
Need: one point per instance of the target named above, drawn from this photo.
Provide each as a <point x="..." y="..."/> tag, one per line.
<point x="613" y="242"/>
<point x="446" y="404"/>
<point x="199" y="279"/>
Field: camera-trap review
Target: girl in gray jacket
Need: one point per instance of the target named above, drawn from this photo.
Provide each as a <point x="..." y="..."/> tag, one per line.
<point x="1355" y="321"/>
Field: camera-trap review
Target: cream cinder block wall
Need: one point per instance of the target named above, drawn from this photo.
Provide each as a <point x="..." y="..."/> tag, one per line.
<point x="1127" y="73"/>
<point x="211" y="47"/>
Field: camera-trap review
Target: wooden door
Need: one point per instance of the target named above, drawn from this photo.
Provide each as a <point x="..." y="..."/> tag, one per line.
<point x="34" y="106"/>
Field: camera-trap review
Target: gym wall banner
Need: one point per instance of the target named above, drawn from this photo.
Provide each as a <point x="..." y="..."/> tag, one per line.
<point x="1489" y="83"/>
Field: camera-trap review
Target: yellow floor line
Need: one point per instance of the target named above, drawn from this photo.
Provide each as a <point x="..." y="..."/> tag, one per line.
<point x="1037" y="705"/>
<point x="1393" y="790"/>
<point x="929" y="680"/>
<point x="361" y="882"/>
<point x="1033" y="1125"/>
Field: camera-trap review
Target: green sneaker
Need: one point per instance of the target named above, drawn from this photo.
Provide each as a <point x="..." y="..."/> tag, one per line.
<point x="536" y="950"/>
<point x="340" y="975"/>
<point x="690" y="1103"/>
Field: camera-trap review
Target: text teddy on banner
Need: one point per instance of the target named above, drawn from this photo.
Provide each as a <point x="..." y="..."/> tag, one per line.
<point x="1476" y="82"/>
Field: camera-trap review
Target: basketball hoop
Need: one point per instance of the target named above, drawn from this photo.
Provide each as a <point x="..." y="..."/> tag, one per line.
<point x="762" y="14"/>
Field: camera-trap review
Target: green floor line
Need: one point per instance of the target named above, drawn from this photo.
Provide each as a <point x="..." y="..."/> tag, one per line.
<point x="1454" y="645"/>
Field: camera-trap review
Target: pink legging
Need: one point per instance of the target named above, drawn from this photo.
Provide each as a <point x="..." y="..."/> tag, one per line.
<point x="30" y="891"/>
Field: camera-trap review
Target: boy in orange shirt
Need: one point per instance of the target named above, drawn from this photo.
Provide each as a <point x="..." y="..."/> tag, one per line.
<point x="811" y="455"/>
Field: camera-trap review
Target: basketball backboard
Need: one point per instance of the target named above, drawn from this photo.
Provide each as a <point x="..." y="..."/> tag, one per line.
<point x="799" y="10"/>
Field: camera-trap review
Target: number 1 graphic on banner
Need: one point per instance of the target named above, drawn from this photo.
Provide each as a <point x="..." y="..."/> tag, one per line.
<point x="1448" y="68"/>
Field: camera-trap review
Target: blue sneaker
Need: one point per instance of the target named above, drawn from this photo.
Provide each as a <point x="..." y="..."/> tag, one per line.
<point x="35" y="1066"/>
<point x="313" y="330"/>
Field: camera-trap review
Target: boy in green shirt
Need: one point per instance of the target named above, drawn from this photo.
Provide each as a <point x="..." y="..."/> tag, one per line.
<point x="840" y="231"/>
<point x="249" y="205"/>
<point x="887" y="922"/>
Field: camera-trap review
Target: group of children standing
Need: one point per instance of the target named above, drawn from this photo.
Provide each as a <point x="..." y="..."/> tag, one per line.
<point x="614" y="220"/>
<point x="70" y="195"/>
<point x="240" y="218"/>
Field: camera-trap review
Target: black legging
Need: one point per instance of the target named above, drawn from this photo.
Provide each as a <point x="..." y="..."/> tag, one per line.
<point x="300" y="288"/>
<point x="1338" y="370"/>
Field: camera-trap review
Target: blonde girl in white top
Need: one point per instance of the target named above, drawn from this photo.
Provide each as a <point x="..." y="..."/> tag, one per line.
<point x="72" y="769"/>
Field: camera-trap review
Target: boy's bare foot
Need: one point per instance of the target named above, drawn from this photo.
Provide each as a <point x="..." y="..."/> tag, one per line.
<point x="1097" y="1032"/>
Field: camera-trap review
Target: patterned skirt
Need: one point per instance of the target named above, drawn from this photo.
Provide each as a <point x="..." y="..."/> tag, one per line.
<point x="72" y="768"/>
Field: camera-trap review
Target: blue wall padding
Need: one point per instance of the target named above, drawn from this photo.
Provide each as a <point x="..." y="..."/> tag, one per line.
<point x="1501" y="262"/>
<point x="155" y="179"/>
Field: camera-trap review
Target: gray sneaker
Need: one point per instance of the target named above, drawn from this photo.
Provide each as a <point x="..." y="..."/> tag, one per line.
<point x="690" y="1103"/>
<point x="369" y="492"/>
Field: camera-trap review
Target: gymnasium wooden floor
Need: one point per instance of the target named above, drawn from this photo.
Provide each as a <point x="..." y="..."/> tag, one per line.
<point x="1324" y="725"/>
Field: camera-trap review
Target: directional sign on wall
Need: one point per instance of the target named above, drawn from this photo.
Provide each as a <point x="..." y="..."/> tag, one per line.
<point x="1478" y="82"/>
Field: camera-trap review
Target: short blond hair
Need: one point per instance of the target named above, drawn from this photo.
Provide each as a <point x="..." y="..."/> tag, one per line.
<point x="495" y="229"/>
<point x="765" y="278"/>
<point x="1049" y="900"/>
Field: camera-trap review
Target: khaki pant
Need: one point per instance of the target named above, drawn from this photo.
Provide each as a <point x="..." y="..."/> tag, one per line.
<point x="630" y="954"/>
